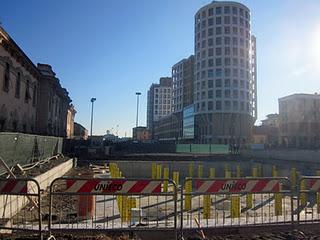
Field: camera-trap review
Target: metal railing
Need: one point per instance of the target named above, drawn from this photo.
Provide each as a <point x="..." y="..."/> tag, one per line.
<point x="18" y="197"/>
<point x="115" y="204"/>
<point x="308" y="209"/>
<point x="221" y="202"/>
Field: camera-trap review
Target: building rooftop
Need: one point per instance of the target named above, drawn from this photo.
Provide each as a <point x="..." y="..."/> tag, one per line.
<point x="300" y="95"/>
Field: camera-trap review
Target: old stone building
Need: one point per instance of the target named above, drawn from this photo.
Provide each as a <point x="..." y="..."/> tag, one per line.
<point x="299" y="118"/>
<point x="31" y="97"/>
<point x="70" y="121"/>
<point x="19" y="82"/>
<point x="53" y="104"/>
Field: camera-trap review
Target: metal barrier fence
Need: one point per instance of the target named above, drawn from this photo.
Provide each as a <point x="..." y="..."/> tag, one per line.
<point x="308" y="209"/>
<point x="98" y="204"/>
<point x="236" y="202"/>
<point x="17" y="199"/>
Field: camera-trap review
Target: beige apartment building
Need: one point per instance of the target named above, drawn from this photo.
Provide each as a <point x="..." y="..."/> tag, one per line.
<point x="299" y="118"/>
<point x="31" y="97"/>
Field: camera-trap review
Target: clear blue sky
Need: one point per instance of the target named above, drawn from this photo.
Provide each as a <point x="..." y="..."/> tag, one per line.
<point x="111" y="49"/>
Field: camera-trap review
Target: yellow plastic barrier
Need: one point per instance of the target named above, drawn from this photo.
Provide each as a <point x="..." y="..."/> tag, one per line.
<point x="277" y="196"/>
<point x="190" y="170"/>
<point x="159" y="171"/>
<point x="238" y="171"/>
<point x="293" y="178"/>
<point x="176" y="178"/>
<point x="227" y="174"/>
<point x="212" y="172"/>
<point x="303" y="196"/>
<point x="187" y="199"/>
<point x="206" y="207"/>
<point x="165" y="176"/>
<point x="200" y="171"/>
<point x="154" y="171"/>
<point x="235" y="207"/>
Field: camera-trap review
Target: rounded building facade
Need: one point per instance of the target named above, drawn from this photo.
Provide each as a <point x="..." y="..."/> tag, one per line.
<point x="225" y="74"/>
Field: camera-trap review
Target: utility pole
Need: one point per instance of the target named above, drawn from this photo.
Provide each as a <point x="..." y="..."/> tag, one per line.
<point x="137" y="119"/>
<point x="92" y="101"/>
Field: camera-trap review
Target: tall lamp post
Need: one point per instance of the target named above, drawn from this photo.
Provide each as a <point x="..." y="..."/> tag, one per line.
<point x="92" y="101"/>
<point x="137" y="119"/>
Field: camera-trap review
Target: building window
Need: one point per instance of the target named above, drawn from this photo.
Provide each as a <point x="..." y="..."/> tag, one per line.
<point x="235" y="41"/>
<point x="34" y="97"/>
<point x="203" y="106"/>
<point x="235" y="94"/>
<point x="210" y="62"/>
<point x="227" y="83"/>
<point x="218" y="51"/>
<point x="210" y="11"/>
<point x="210" y="83"/>
<point x="218" y="21"/>
<point x="227" y="93"/>
<point x="226" y="20"/>
<point x="218" y="41"/>
<point x="235" y="20"/>
<point x="218" y="105"/>
<point x="235" y="30"/>
<point x="210" y="21"/>
<point x="219" y="72"/>
<point x="227" y="61"/>
<point x="210" y="31"/>
<point x="226" y="30"/>
<point x="227" y="105"/>
<point x="210" y="42"/>
<point x="218" y="83"/>
<point x="227" y="40"/>
<point x="27" y="93"/>
<point x="227" y="51"/>
<point x="6" y="78"/>
<point x="218" y="61"/>
<point x="235" y="83"/>
<point x="210" y="52"/>
<point x="218" y="10"/>
<point x="18" y="84"/>
<point x="227" y="72"/>
<point x="234" y="10"/>
<point x="210" y="73"/>
<point x="203" y="34"/>
<point x="235" y="105"/>
<point x="218" y="30"/>
<point x="218" y="93"/>
<point x="210" y="94"/>
<point x="226" y="10"/>
<point x="210" y="105"/>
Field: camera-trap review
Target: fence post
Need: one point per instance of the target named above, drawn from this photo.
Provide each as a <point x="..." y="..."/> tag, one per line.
<point x="166" y="177"/>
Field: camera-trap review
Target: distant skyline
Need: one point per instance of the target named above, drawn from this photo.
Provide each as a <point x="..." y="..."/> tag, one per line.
<point x="111" y="49"/>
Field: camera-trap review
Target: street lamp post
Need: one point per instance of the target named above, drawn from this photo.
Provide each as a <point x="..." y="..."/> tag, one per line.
<point x="137" y="119"/>
<point x="92" y="101"/>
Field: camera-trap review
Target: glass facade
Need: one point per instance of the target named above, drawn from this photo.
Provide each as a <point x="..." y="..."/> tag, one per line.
<point x="188" y="122"/>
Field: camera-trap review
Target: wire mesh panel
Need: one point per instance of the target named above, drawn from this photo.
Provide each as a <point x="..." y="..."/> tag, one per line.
<point x="99" y="204"/>
<point x="231" y="202"/>
<point x="308" y="209"/>
<point x="18" y="198"/>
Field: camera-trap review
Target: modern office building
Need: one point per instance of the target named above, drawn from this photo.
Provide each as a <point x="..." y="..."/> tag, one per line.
<point x="299" y="119"/>
<point x="225" y="74"/>
<point x="183" y="80"/>
<point x="159" y="103"/>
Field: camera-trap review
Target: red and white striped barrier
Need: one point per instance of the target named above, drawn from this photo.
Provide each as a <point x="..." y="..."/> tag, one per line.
<point x="113" y="186"/>
<point x="13" y="186"/>
<point x="238" y="186"/>
<point x="315" y="185"/>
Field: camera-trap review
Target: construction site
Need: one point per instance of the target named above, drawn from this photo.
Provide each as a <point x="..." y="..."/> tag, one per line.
<point x="158" y="196"/>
